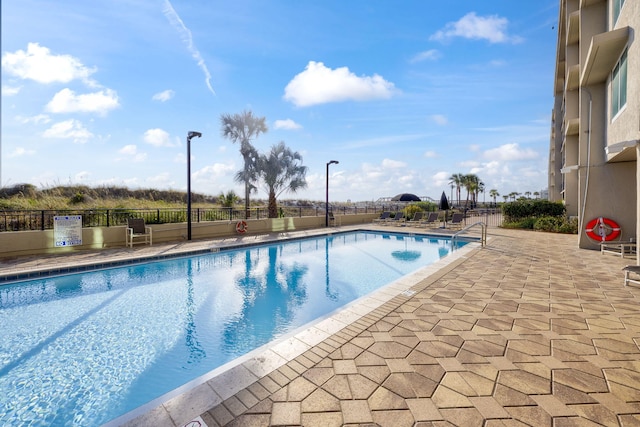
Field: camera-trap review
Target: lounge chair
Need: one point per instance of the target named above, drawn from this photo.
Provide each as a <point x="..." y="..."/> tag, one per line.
<point x="136" y="229"/>
<point x="417" y="217"/>
<point x="398" y="219"/>
<point x="457" y="221"/>
<point x="383" y="217"/>
<point x="432" y="220"/>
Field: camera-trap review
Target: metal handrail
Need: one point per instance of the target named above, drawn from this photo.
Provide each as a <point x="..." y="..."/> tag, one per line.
<point x="483" y="226"/>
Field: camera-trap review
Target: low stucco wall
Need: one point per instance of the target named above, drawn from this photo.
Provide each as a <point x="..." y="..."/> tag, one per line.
<point x="19" y="243"/>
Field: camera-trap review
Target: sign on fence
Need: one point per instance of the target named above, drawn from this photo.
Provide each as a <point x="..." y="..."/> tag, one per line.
<point x="67" y="230"/>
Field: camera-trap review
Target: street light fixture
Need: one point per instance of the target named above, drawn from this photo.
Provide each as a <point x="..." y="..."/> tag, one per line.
<point x="326" y="206"/>
<point x="190" y="135"/>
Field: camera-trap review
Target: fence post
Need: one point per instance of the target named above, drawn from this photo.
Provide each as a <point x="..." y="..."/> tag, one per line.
<point x="41" y="220"/>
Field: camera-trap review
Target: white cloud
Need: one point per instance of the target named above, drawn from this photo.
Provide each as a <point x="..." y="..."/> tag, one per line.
<point x="68" y="129"/>
<point x="471" y="26"/>
<point x="439" y="119"/>
<point x="318" y="84"/>
<point x="208" y="173"/>
<point x="38" y="119"/>
<point x="10" y="90"/>
<point x="81" y="176"/>
<point x="132" y="154"/>
<point x="163" y="96"/>
<point x="66" y="101"/>
<point x="510" y="152"/>
<point x="158" y="138"/>
<point x="440" y="178"/>
<point x="161" y="180"/>
<point x="430" y="55"/>
<point x="20" y="151"/>
<point x="393" y="164"/>
<point x="430" y="154"/>
<point x="187" y="39"/>
<point x="38" y="64"/>
<point x="287" y="124"/>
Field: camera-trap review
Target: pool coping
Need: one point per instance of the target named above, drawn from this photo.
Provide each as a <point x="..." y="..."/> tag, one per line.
<point x="183" y="404"/>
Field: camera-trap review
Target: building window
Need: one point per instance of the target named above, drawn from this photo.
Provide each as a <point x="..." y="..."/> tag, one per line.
<point x="619" y="85"/>
<point x="617" y="5"/>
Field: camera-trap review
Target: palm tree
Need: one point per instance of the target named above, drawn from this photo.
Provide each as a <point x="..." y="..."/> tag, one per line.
<point x="527" y="194"/>
<point x="536" y="194"/>
<point x="493" y="193"/>
<point x="243" y="128"/>
<point x="457" y="180"/>
<point x="505" y="197"/>
<point x="229" y="199"/>
<point x="281" y="170"/>
<point x="474" y="185"/>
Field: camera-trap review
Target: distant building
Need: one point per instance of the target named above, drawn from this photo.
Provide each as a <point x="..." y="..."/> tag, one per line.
<point x="595" y="129"/>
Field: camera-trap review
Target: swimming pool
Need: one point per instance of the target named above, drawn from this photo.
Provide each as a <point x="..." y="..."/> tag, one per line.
<point x="83" y="349"/>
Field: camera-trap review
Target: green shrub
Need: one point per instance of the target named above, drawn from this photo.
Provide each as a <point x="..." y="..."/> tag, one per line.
<point x="556" y="224"/>
<point x="532" y="208"/>
<point x="409" y="211"/>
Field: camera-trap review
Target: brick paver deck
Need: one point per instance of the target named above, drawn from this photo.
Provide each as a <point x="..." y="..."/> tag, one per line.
<point x="529" y="331"/>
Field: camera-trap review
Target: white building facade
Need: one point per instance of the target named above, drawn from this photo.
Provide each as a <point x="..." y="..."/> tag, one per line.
<point x="595" y="130"/>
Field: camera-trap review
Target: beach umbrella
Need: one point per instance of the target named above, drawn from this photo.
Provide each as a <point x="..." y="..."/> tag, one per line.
<point x="444" y="206"/>
<point x="406" y="197"/>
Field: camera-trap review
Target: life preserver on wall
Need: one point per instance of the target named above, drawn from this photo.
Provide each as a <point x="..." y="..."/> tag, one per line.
<point x="241" y="227"/>
<point x="602" y="229"/>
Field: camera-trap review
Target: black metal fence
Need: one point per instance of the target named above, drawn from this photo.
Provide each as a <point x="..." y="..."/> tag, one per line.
<point x="24" y="220"/>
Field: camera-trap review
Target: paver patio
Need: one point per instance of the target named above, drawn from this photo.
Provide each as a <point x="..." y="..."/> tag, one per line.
<point x="528" y="331"/>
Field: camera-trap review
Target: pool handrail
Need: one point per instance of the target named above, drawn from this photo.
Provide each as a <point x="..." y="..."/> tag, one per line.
<point x="483" y="233"/>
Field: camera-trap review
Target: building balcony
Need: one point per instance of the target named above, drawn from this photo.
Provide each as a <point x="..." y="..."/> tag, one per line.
<point x="573" y="28"/>
<point x="604" y="51"/>
<point x="573" y="127"/>
<point x="573" y="77"/>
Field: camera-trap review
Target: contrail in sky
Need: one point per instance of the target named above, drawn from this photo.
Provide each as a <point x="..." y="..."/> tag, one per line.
<point x="185" y="34"/>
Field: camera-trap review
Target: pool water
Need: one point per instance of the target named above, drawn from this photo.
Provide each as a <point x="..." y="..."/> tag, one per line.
<point x="83" y="349"/>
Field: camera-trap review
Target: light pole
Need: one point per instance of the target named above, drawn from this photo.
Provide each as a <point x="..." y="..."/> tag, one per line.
<point x="190" y="135"/>
<point x="326" y="206"/>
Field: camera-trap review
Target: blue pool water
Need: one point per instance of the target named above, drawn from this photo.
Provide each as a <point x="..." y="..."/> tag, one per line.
<point x="83" y="349"/>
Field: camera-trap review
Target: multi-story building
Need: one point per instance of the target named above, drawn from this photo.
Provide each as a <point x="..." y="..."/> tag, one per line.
<point x="595" y="131"/>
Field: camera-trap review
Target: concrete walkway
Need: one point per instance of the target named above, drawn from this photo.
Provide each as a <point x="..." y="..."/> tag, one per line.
<point x="528" y="331"/>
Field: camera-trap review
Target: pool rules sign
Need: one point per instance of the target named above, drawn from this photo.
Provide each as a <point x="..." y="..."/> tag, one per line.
<point x="67" y="230"/>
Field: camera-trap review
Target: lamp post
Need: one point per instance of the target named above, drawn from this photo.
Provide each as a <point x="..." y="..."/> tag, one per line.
<point x="190" y="135"/>
<point x="326" y="206"/>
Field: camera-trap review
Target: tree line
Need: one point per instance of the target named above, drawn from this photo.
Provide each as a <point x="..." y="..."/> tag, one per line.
<point x="474" y="186"/>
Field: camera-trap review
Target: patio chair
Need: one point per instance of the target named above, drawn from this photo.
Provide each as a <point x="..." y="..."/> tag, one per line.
<point x="632" y="274"/>
<point x="457" y="221"/>
<point x="137" y="229"/>
<point x="383" y="217"/>
<point x="431" y="220"/>
<point x="333" y="220"/>
<point x="398" y="219"/>
<point x="415" y="220"/>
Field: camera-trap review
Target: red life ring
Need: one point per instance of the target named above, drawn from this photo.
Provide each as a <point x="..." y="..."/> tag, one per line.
<point x="602" y="229"/>
<point x="241" y="227"/>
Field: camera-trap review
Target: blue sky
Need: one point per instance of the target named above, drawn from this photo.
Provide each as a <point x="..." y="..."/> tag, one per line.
<point x="402" y="93"/>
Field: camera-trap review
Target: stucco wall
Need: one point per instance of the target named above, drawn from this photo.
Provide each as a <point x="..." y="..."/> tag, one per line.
<point x="41" y="242"/>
